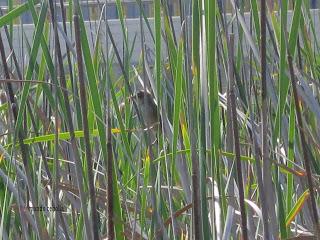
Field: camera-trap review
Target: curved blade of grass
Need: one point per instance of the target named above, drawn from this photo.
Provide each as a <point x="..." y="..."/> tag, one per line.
<point x="297" y="207"/>
<point x="177" y="100"/>
<point x="64" y="136"/>
<point x="246" y="32"/>
<point x="157" y="27"/>
<point x="17" y="12"/>
<point x="292" y="127"/>
<point x="283" y="78"/>
<point x="255" y="13"/>
<point x="294" y="30"/>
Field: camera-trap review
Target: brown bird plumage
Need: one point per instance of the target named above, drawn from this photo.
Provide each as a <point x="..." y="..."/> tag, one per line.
<point x="148" y="109"/>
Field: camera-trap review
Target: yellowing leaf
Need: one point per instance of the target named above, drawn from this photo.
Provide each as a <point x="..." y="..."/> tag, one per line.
<point x="1" y="157"/>
<point x="297" y="207"/>
<point x="147" y="159"/>
<point x="115" y="130"/>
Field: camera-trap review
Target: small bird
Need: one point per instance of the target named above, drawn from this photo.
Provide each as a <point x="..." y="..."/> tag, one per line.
<point x="148" y="110"/>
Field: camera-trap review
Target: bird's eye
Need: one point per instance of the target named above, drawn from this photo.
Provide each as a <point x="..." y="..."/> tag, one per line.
<point x="140" y="94"/>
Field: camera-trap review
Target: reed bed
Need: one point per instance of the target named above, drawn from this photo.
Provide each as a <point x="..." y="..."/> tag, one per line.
<point x="236" y="147"/>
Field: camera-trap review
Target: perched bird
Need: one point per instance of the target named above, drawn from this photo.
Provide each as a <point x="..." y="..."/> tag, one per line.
<point x="148" y="110"/>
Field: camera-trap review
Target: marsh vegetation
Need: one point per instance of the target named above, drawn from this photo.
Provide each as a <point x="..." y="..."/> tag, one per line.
<point x="228" y="147"/>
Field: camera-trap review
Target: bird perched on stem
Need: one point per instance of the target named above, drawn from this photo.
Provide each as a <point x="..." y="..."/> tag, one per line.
<point x="148" y="109"/>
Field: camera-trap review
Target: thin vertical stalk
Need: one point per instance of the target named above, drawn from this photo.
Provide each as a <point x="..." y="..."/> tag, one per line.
<point x="256" y="153"/>
<point x="63" y="14"/>
<point x="262" y="194"/>
<point x="84" y="110"/>
<point x="211" y="27"/>
<point x="109" y="174"/>
<point x="109" y="166"/>
<point x="253" y="136"/>
<point x="266" y="169"/>
<point x="236" y="140"/>
<point x="304" y="149"/>
<point x="64" y="20"/>
<point x="204" y="136"/>
<point x="196" y="213"/>
<point x="55" y="182"/>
